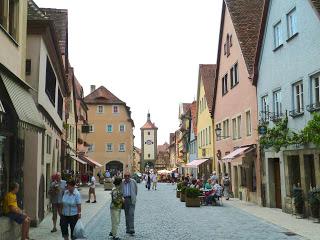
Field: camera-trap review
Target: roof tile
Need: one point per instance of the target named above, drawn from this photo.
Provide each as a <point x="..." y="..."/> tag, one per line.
<point x="207" y="73"/>
<point x="102" y="96"/>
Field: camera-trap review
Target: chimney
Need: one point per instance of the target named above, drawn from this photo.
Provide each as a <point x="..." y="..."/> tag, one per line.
<point x="93" y="88"/>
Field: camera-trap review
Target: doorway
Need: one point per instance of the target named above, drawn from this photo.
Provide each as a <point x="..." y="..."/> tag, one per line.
<point x="277" y="182"/>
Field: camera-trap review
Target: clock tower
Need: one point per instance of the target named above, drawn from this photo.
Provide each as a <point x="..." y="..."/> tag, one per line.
<point x="148" y="145"/>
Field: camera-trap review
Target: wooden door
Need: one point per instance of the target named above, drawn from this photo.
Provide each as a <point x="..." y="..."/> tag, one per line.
<point x="277" y="183"/>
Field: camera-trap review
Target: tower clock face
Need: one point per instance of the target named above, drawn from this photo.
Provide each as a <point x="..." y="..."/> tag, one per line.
<point x="149" y="142"/>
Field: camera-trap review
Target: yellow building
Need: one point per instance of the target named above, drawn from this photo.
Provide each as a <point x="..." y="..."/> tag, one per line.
<point x="110" y="135"/>
<point x="205" y="131"/>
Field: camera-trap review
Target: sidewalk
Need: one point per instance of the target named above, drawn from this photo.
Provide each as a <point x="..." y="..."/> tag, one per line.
<point x="303" y="227"/>
<point x="89" y="210"/>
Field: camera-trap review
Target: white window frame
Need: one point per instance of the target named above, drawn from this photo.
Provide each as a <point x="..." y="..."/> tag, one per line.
<point x="206" y="134"/>
<point x="248" y="123"/>
<point x="298" y="105"/>
<point x="98" y="109"/>
<point x="292" y="23"/>
<point x="265" y="107"/>
<point x="209" y="134"/>
<point x="234" y="75"/>
<point x="277" y="34"/>
<point x="113" y="108"/>
<point x="124" y="128"/>
<point x="49" y="144"/>
<point x="218" y="125"/>
<point x="107" y="128"/>
<point x="225" y="128"/>
<point x="109" y="149"/>
<point x="239" y="122"/>
<point x="124" y="147"/>
<point x="225" y="84"/>
<point x="316" y="89"/>
<point x="91" y="148"/>
<point x="91" y="128"/>
<point x="277" y="103"/>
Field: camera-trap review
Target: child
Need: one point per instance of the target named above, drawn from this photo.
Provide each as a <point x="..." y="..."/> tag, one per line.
<point x="117" y="202"/>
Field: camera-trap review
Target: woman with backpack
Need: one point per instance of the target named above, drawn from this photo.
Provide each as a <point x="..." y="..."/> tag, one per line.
<point x="226" y="186"/>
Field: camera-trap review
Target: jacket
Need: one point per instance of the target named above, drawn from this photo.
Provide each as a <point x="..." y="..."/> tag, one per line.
<point x="134" y="190"/>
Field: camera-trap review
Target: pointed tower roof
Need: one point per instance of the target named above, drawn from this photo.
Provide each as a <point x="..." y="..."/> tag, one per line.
<point x="149" y="124"/>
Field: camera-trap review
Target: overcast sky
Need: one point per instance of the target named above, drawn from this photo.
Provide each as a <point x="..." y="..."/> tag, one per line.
<point x="146" y="52"/>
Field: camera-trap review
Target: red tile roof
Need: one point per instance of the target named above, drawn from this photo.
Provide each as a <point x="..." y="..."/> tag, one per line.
<point x="246" y="17"/>
<point x="163" y="148"/>
<point x="207" y="72"/>
<point x="316" y="4"/>
<point x="102" y="96"/>
<point x="149" y="125"/>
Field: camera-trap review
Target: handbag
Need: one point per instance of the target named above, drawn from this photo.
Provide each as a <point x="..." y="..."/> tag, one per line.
<point x="79" y="232"/>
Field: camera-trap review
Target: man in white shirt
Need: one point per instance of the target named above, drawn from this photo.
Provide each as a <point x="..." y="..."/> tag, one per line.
<point x="154" y="179"/>
<point x="92" y="188"/>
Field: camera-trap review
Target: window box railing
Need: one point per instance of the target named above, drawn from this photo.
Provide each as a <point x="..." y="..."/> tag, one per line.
<point x="264" y="118"/>
<point x="275" y="117"/>
<point x="296" y="112"/>
<point x="313" y="107"/>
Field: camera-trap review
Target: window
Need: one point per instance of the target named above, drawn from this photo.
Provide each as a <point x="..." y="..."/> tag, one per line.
<point x="109" y="147"/>
<point x="100" y="109"/>
<point x="207" y="137"/>
<point x="9" y="16"/>
<point x="248" y="123"/>
<point x="115" y="109"/>
<point x="122" y="128"/>
<point x="91" y="148"/>
<point x="277" y="35"/>
<point x="209" y="134"/>
<point x="28" y="63"/>
<point x="225" y="125"/>
<point x="239" y="126"/>
<point x="148" y="133"/>
<point x="292" y="23"/>
<point x="227" y="45"/>
<point x="225" y="84"/>
<point x="277" y="106"/>
<point x="234" y="129"/>
<point x="316" y="90"/>
<point x="50" y="83"/>
<point x="60" y="104"/>
<point x="218" y="126"/>
<point x="298" y="97"/>
<point x="234" y="75"/>
<point x="149" y="155"/>
<point x="91" y="128"/>
<point x="2" y="13"/>
<point x="122" y="147"/>
<point x="49" y="144"/>
<point x="265" y="108"/>
<point x="109" y="128"/>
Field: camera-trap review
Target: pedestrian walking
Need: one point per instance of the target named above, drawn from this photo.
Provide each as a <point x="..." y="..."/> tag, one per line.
<point x="148" y="181"/>
<point x="57" y="188"/>
<point x="117" y="201"/>
<point x="154" y="179"/>
<point x="129" y="190"/>
<point x="226" y="186"/>
<point x="12" y="211"/>
<point x="70" y="211"/>
<point x="92" y="189"/>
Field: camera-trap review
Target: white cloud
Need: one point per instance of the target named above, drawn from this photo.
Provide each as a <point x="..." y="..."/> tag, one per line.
<point x="146" y="52"/>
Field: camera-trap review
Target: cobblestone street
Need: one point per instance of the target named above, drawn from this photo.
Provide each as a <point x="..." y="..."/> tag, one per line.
<point x="160" y="215"/>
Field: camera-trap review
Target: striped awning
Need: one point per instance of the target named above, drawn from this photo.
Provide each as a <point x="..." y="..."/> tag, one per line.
<point x="23" y="103"/>
<point x="90" y="161"/>
<point x="78" y="160"/>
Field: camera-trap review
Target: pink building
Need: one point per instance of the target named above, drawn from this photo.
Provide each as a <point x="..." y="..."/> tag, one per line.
<point x="235" y="100"/>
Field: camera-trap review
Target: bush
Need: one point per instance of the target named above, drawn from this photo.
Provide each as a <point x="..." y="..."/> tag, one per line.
<point x="179" y="185"/>
<point x="193" y="192"/>
<point x="183" y="189"/>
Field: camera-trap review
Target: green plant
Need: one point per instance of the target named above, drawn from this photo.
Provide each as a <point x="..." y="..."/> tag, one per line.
<point x="297" y="194"/>
<point x="183" y="189"/>
<point x="311" y="133"/>
<point x="179" y="186"/>
<point x="193" y="192"/>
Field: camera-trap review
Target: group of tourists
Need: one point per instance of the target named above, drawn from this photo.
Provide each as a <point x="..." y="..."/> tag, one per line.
<point x="151" y="179"/>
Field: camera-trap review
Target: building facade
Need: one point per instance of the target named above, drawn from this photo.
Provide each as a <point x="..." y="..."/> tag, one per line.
<point x="193" y="147"/>
<point x="163" y="157"/>
<point x="110" y="135"/>
<point x="149" y="151"/>
<point x="235" y="108"/>
<point x="288" y="88"/>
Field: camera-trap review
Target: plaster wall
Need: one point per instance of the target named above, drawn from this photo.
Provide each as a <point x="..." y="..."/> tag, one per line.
<point x="149" y="149"/>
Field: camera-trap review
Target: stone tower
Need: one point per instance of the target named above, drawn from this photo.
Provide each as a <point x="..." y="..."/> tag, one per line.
<point x="148" y="145"/>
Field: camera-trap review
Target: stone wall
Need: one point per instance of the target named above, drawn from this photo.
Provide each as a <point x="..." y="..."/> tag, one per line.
<point x="9" y="230"/>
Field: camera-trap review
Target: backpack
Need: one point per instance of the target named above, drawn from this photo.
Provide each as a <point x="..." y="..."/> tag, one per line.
<point x="226" y="181"/>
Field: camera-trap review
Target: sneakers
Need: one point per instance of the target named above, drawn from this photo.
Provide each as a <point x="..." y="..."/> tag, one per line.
<point x="53" y="230"/>
<point x="88" y="201"/>
<point x="94" y="201"/>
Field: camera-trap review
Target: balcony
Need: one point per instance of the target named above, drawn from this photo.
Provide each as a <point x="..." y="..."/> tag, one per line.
<point x="313" y="107"/>
<point x="276" y="117"/>
<point x="264" y="118"/>
<point x="296" y="112"/>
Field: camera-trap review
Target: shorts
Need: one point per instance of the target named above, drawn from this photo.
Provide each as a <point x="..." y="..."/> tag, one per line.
<point x="17" y="217"/>
<point x="92" y="190"/>
<point x="65" y="222"/>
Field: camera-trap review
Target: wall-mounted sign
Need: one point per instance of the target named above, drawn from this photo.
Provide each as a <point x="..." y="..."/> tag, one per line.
<point x="262" y="130"/>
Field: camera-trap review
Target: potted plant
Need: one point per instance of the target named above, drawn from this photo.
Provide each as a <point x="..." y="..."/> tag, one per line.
<point x="183" y="193"/>
<point x="192" y="197"/>
<point x="314" y="203"/>
<point x="179" y="186"/>
<point x="298" y="198"/>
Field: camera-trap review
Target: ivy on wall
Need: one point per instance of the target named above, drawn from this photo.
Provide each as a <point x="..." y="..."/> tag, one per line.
<point x="281" y="136"/>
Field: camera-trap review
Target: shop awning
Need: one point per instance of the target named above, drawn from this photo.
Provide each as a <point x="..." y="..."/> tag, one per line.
<point x="235" y="153"/>
<point x="91" y="161"/>
<point x="78" y="160"/>
<point x="23" y="102"/>
<point x="196" y="163"/>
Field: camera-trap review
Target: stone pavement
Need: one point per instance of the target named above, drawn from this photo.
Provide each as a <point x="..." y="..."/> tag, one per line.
<point x="88" y="212"/>
<point x="160" y="215"/>
<point x="304" y="227"/>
